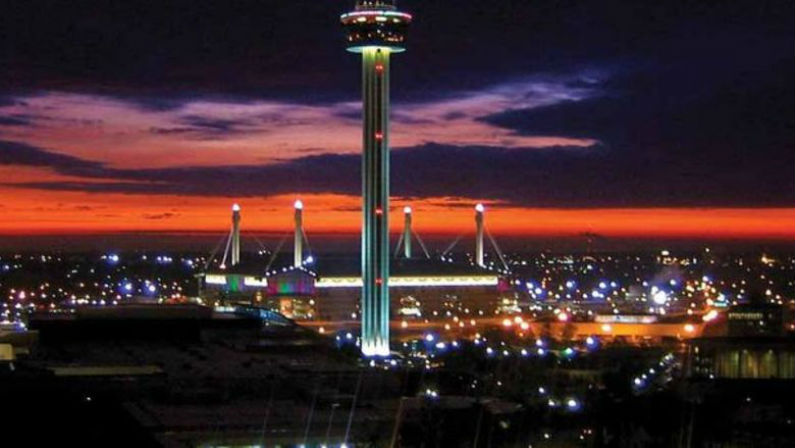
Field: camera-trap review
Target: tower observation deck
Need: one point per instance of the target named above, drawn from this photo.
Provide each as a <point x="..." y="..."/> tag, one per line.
<point x="375" y="29"/>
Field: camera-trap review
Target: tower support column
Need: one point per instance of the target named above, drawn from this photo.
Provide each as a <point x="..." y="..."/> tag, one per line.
<point x="479" y="235"/>
<point x="235" y="255"/>
<point x="298" y="235"/>
<point x="407" y="232"/>
<point x="375" y="206"/>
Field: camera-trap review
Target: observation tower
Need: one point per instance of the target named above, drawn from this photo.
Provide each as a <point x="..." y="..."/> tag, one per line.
<point x="375" y="29"/>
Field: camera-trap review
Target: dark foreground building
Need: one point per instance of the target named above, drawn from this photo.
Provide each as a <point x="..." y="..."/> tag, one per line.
<point x="179" y="375"/>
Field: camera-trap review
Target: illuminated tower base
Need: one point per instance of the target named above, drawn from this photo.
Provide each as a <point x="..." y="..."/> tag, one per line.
<point x="375" y="205"/>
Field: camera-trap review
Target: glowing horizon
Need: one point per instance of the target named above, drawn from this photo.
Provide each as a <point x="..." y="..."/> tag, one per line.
<point x="77" y="213"/>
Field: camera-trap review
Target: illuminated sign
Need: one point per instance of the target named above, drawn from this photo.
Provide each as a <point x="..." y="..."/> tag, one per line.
<point x="254" y="281"/>
<point x="746" y="315"/>
<point x="416" y="281"/>
<point x="625" y="319"/>
<point x="215" y="279"/>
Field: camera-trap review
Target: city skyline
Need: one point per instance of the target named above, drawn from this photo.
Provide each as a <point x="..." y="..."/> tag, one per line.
<point x="685" y="132"/>
<point x="251" y="223"/>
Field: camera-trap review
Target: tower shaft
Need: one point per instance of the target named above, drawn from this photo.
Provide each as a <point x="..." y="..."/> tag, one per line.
<point x="375" y="206"/>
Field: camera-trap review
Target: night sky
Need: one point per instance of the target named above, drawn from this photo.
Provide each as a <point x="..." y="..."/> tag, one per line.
<point x="625" y="118"/>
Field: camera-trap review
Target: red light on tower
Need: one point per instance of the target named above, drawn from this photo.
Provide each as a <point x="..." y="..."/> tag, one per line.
<point x="379" y="136"/>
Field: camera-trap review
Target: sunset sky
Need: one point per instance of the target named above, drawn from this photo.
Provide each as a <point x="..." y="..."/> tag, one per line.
<point x="619" y="118"/>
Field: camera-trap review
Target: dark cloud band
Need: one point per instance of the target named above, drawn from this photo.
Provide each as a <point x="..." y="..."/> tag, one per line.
<point x="549" y="177"/>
